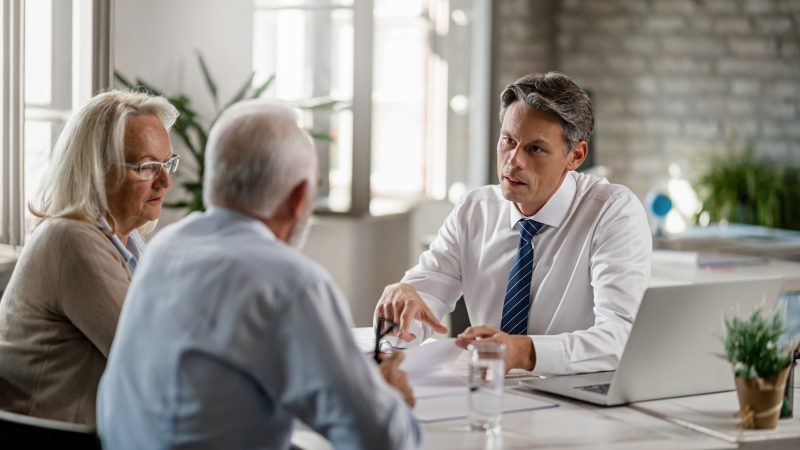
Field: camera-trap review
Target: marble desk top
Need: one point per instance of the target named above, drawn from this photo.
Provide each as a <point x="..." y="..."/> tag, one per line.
<point x="713" y="414"/>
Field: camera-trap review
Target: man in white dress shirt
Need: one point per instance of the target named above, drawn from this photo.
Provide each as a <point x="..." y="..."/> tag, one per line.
<point x="229" y="334"/>
<point x="551" y="262"/>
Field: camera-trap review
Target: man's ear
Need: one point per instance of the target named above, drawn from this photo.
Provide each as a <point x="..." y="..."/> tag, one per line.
<point x="577" y="155"/>
<point x="298" y="199"/>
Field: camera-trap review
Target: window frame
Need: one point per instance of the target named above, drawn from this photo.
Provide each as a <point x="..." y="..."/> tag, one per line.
<point x="360" y="102"/>
<point x="13" y="117"/>
<point x="474" y="158"/>
<point x="12" y="222"/>
<point x="363" y="26"/>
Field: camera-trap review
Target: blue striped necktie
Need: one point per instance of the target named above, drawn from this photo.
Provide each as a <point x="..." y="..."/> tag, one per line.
<point x="518" y="291"/>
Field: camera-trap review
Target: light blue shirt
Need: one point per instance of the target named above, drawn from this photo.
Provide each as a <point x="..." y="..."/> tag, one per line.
<point x="227" y="335"/>
<point x="132" y="251"/>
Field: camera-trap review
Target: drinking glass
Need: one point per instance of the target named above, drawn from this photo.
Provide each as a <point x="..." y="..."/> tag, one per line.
<point x="485" y="397"/>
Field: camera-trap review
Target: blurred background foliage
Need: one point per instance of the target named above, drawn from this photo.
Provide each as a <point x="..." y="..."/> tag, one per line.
<point x="192" y="127"/>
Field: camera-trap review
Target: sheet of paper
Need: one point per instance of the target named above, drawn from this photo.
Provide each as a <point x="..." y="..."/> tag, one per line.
<point x="436" y="383"/>
<point x="454" y="406"/>
<point x="428" y="372"/>
<point x="430" y="356"/>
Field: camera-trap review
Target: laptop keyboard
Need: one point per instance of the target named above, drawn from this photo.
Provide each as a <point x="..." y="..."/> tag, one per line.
<point x="596" y="388"/>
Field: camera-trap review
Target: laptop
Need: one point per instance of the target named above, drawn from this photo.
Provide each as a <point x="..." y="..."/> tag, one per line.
<point x="673" y="345"/>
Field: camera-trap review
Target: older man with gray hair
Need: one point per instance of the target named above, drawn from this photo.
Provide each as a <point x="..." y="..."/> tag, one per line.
<point x="229" y="333"/>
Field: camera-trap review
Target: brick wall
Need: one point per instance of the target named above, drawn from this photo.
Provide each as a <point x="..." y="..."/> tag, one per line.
<point x="523" y="42"/>
<point x="672" y="78"/>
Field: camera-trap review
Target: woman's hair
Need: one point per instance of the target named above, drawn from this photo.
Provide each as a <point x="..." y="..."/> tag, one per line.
<point x="89" y="148"/>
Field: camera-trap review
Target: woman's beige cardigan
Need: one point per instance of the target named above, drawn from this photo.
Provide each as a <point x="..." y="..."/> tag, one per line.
<point x="57" y="320"/>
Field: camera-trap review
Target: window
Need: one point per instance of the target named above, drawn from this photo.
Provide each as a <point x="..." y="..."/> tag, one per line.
<point x="63" y="47"/>
<point x="399" y="153"/>
<point x="308" y="47"/>
<point x="385" y="64"/>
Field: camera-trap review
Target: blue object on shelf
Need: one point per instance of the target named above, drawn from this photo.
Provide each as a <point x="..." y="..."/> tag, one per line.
<point x="660" y="205"/>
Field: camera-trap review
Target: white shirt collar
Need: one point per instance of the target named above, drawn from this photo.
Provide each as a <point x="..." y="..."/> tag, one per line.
<point x="130" y="252"/>
<point x="555" y="210"/>
<point x="230" y="215"/>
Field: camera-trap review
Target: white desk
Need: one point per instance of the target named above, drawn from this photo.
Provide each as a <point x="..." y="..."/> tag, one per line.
<point x="680" y="424"/>
<point x="712" y="415"/>
<point x="736" y="238"/>
<point x="572" y="425"/>
<point x="668" y="274"/>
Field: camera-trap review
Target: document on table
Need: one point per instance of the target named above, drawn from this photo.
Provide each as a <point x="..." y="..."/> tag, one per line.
<point x="441" y="393"/>
<point x="431" y="355"/>
<point x="455" y="406"/>
<point x="427" y="370"/>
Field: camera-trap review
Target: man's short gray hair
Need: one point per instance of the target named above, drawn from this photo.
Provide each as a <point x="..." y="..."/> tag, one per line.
<point x="256" y="154"/>
<point x="555" y="93"/>
<point x="89" y="149"/>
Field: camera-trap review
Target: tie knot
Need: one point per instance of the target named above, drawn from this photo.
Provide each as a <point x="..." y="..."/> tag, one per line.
<point x="529" y="228"/>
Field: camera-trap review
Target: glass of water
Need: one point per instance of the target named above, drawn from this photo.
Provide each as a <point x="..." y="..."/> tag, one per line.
<point x="485" y="398"/>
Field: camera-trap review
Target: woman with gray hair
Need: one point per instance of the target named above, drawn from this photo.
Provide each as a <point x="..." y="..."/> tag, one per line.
<point x="111" y="167"/>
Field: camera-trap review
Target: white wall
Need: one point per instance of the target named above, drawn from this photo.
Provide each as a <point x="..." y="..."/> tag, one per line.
<point x="363" y="256"/>
<point x="366" y="254"/>
<point x="157" y="39"/>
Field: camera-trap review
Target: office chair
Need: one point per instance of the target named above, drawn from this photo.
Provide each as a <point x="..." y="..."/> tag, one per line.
<point x="20" y="431"/>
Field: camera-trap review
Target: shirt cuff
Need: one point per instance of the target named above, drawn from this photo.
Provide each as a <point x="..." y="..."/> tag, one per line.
<point x="550" y="354"/>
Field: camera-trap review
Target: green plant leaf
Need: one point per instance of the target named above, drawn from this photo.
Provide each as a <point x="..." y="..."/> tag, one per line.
<point x="192" y="129"/>
<point x="197" y="203"/>
<point x="176" y="205"/>
<point x="751" y="344"/>
<point x="242" y="90"/>
<point x="320" y="136"/>
<point x="202" y="137"/>
<point x="739" y="187"/>
<point x="187" y="141"/>
<point x="148" y="87"/>
<point x="192" y="185"/>
<point x="263" y="87"/>
<point x="326" y="105"/>
<point x="124" y="81"/>
<point x="212" y="87"/>
<point x="184" y="105"/>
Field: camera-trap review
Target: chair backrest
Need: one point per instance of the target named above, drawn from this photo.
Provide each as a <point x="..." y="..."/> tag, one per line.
<point x="20" y="431"/>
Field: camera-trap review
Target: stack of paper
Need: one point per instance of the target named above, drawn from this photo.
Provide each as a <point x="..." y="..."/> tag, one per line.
<point x="441" y="393"/>
<point x="705" y="260"/>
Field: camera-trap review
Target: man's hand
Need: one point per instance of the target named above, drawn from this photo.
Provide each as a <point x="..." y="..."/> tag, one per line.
<point x="401" y="304"/>
<point x="390" y="369"/>
<point x="520" y="352"/>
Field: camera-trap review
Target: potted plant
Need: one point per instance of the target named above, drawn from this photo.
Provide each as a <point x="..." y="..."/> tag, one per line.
<point x="760" y="366"/>
<point x="740" y="187"/>
<point x="192" y="128"/>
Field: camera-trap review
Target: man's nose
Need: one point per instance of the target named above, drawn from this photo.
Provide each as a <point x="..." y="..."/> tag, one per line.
<point x="515" y="158"/>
